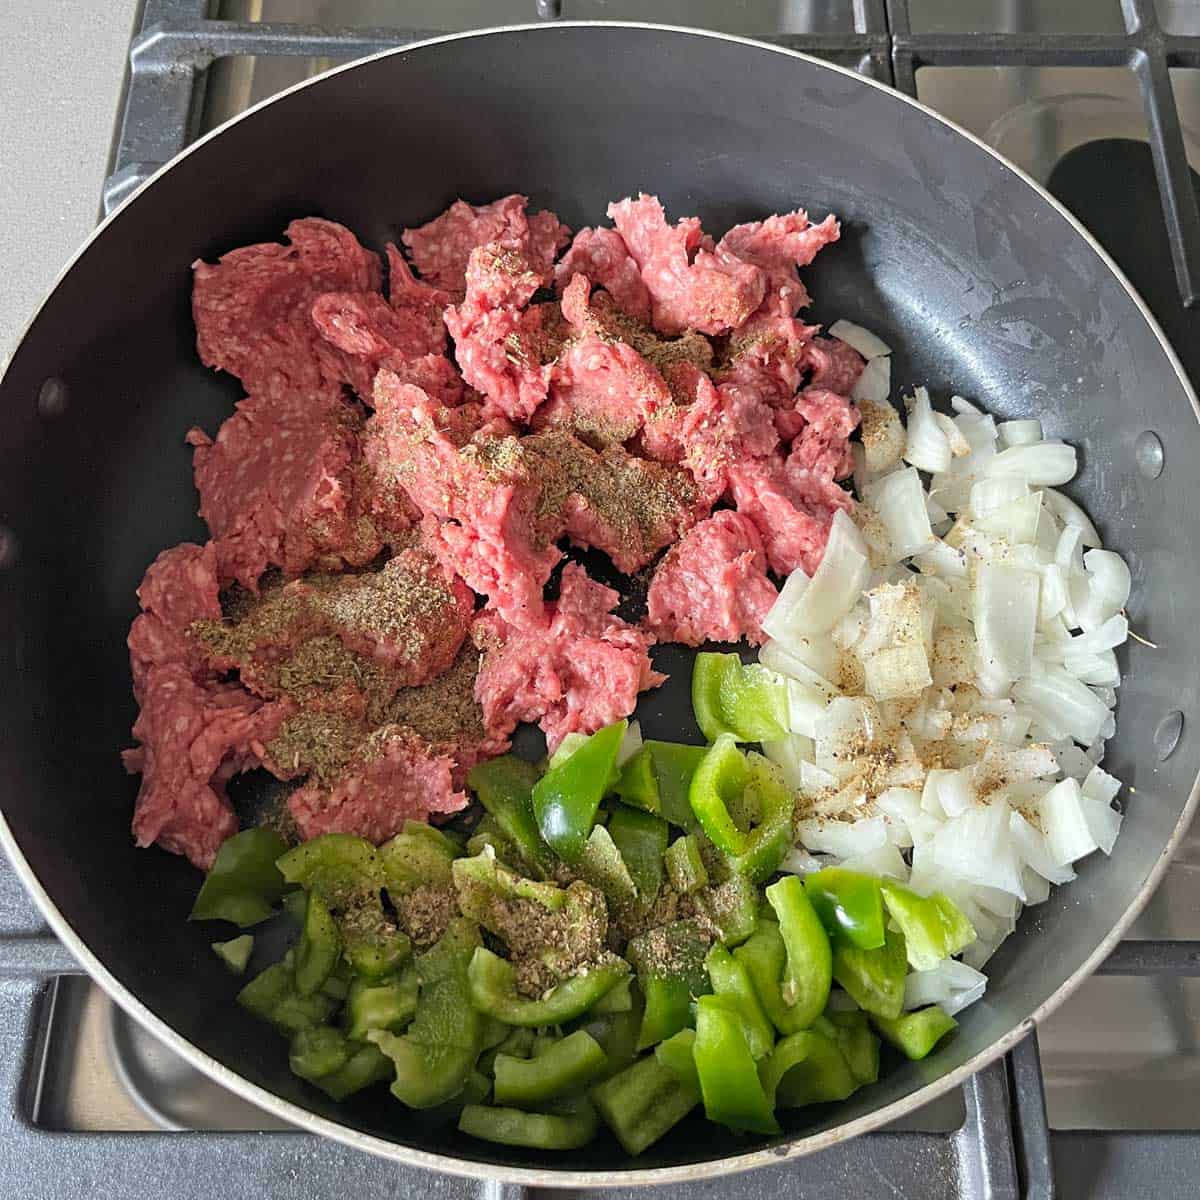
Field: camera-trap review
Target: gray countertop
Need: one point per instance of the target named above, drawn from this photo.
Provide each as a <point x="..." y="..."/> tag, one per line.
<point x="62" y="67"/>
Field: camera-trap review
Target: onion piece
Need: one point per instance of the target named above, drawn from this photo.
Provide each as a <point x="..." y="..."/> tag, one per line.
<point x="1006" y="610"/>
<point x="1068" y="835"/>
<point x="951" y="984"/>
<point x="1045" y="464"/>
<point x="1062" y="706"/>
<point x="843" y="839"/>
<point x="1108" y="586"/>
<point x="886" y="862"/>
<point x="875" y="385"/>
<point x="928" y="448"/>
<point x="806" y="707"/>
<point x="1034" y="848"/>
<point x="1069" y="513"/>
<point x="899" y="502"/>
<point x="1019" y="433"/>
<point x="978" y="848"/>
<point x="863" y="340"/>
<point x="798" y="861"/>
<point x="789" y="755"/>
<point x="959" y="446"/>
<point x="1100" y="785"/>
<point x="1016" y="522"/>
<point x="801" y="657"/>
<point x="812" y="606"/>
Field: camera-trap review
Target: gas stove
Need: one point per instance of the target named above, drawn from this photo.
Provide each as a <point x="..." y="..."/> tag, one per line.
<point x="1100" y="101"/>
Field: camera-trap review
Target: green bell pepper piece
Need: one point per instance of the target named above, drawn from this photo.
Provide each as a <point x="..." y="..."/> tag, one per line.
<point x="874" y="978"/>
<point x="339" y="867"/>
<point x="567" y="1130"/>
<point x="657" y="778"/>
<point x="566" y="1065"/>
<point x="566" y="798"/>
<point x="366" y="1066"/>
<point x="725" y="781"/>
<point x="747" y="702"/>
<point x="602" y="866"/>
<point x="934" y="927"/>
<point x="485" y="885"/>
<point x="670" y="964"/>
<point x="518" y="1043"/>
<point x="235" y="953"/>
<point x="492" y="989"/>
<point x="807" y="1068"/>
<point x="295" y="905"/>
<point x="852" y="1032"/>
<point x="317" y="1052"/>
<point x="732" y="906"/>
<point x="685" y="866"/>
<point x="641" y="840"/>
<point x="644" y="1102"/>
<point x="434" y="1058"/>
<point x="617" y="1000"/>
<point x="243" y="885"/>
<point x="915" y="1034"/>
<point x="730" y="978"/>
<point x="764" y="958"/>
<point x="374" y="954"/>
<point x="617" y="1034"/>
<point x="676" y="1054"/>
<point x="504" y="786"/>
<point x="488" y="833"/>
<point x="849" y="904"/>
<point x="272" y="995"/>
<point x="417" y="856"/>
<point x="729" y="1082"/>
<point x="806" y="980"/>
<point x="387" y="1004"/>
<point x="337" y="982"/>
<point x="319" y="948"/>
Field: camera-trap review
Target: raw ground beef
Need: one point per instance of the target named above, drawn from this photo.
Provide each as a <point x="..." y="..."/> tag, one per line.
<point x="180" y="586"/>
<point x="253" y="309"/>
<point x="669" y="376"/>
<point x="602" y="258"/>
<point x="778" y="246"/>
<point x="441" y="248"/>
<point x="713" y="585"/>
<point x="193" y="739"/>
<point x="581" y="669"/>
<point x="394" y="779"/>
<point x="691" y="287"/>
<point x="283" y="484"/>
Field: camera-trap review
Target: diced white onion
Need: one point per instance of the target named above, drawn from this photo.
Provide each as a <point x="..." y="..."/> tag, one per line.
<point x="1062" y="706"/>
<point x="789" y="754"/>
<point x="978" y="848"/>
<point x="812" y="606"/>
<point x="1108" y="586"/>
<point x="1019" y="433"/>
<point x="1069" y="513"/>
<point x="1045" y="464"/>
<point x="987" y="495"/>
<point x="963" y="406"/>
<point x="806" y="707"/>
<point x="843" y="839"/>
<point x="952" y="984"/>
<point x="928" y="448"/>
<point x="1034" y="849"/>
<point x="899" y="502"/>
<point x="1100" y="785"/>
<point x="1006" y="609"/>
<point x="1064" y="822"/>
<point x="1016" y="522"/>
<point x="875" y="385"/>
<point x="959" y="446"/>
<point x="863" y="340"/>
<point x="798" y="861"/>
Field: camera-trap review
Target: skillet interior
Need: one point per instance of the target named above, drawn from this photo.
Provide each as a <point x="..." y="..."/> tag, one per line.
<point x="979" y="284"/>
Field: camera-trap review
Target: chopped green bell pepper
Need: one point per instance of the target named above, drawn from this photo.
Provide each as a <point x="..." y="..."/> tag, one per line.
<point x="575" y="1126"/>
<point x="493" y="991"/>
<point x="747" y="702"/>
<point x="616" y="1000"/>
<point x="568" y="1064"/>
<point x="726" y="781"/>
<point x="434" y="1058"/>
<point x="272" y="995"/>
<point x="934" y="927"/>
<point x="807" y="1068"/>
<point x="339" y="867"/>
<point x="376" y="951"/>
<point x="915" y="1034"/>
<point x="849" y="904"/>
<point x="852" y="1032"/>
<point x="730" y="978"/>
<point x="386" y="1004"/>
<point x="603" y="867"/>
<point x="366" y="1066"/>
<point x="617" y="1034"/>
<point x="806" y="980"/>
<point x="319" y="948"/>
<point x="676" y="1054"/>
<point x="244" y="885"/>
<point x="729" y="1082"/>
<point x="566" y="798"/>
<point x="517" y="1044"/>
<point x="641" y="840"/>
<point x="235" y="953"/>
<point x="417" y="856"/>
<point x="670" y="964"/>
<point x="643" y="1102"/>
<point x="656" y="779"/>
<point x="504" y="786"/>
<point x="732" y="906"/>
<point x="318" y="1052"/>
<point x="685" y="866"/>
<point x="874" y="978"/>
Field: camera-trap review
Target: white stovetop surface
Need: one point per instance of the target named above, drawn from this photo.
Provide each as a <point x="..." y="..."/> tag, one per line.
<point x="61" y="71"/>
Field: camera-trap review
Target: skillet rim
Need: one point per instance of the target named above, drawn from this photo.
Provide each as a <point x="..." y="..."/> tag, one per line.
<point x="779" y="1152"/>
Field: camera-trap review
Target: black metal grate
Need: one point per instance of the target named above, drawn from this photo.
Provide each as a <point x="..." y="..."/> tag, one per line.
<point x="1005" y="1149"/>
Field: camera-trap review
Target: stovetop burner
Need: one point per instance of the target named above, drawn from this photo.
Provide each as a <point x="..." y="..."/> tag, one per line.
<point x="100" y="1107"/>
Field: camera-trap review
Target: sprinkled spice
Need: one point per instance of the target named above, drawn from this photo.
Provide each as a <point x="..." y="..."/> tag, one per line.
<point x="426" y="911"/>
<point x="319" y="744"/>
<point x="444" y="710"/>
